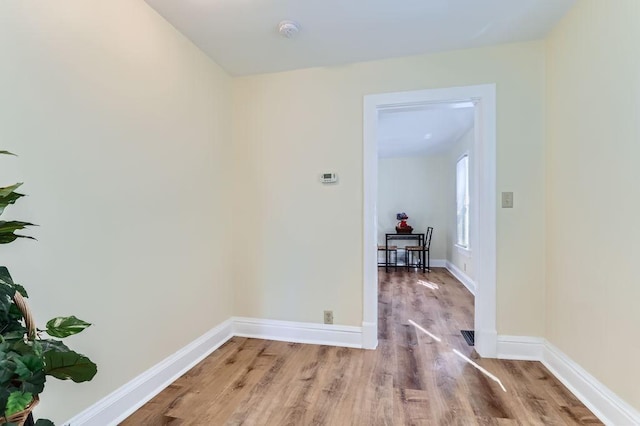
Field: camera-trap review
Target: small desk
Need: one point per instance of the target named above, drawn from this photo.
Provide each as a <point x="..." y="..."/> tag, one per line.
<point x="396" y="236"/>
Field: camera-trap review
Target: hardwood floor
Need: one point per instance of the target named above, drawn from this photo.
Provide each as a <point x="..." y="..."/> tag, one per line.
<point x="411" y="379"/>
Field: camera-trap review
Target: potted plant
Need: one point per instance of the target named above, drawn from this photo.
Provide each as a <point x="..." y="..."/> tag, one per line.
<point x="28" y="354"/>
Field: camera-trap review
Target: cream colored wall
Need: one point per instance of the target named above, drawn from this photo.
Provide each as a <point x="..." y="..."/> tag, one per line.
<point x="592" y="187"/>
<point x="416" y="186"/>
<point x="459" y="257"/>
<point x="303" y="240"/>
<point x="123" y="130"/>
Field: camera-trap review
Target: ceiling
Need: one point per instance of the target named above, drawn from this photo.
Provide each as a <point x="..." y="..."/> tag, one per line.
<point x="425" y="130"/>
<point x="241" y="35"/>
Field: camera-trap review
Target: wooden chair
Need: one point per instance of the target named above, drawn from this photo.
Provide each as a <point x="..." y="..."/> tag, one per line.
<point x="423" y="251"/>
<point x="388" y="251"/>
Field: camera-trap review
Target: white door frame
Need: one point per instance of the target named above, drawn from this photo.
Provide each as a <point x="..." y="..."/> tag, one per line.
<point x="483" y="205"/>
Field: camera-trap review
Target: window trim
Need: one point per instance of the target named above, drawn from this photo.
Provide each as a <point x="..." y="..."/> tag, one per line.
<point x="466" y="247"/>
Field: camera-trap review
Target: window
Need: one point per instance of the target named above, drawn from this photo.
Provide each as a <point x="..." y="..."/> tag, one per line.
<point x="462" y="201"/>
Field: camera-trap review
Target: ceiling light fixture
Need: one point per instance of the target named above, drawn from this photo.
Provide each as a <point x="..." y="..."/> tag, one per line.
<point x="288" y="29"/>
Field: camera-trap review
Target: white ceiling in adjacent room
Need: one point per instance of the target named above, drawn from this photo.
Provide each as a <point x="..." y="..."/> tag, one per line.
<point x="422" y="131"/>
<point x="242" y="35"/>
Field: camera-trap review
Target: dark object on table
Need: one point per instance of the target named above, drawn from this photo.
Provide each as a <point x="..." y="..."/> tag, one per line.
<point x="403" y="227"/>
<point x="404" y="230"/>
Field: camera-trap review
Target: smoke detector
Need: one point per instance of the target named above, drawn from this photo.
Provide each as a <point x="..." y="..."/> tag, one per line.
<point x="288" y="29"/>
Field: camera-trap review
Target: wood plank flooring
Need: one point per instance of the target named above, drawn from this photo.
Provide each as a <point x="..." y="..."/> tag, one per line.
<point x="411" y="379"/>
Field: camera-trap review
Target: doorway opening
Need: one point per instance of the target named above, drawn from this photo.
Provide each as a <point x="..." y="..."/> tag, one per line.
<point x="482" y="203"/>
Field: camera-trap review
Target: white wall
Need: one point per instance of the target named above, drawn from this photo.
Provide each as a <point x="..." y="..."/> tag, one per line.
<point x="416" y="186"/>
<point x="123" y="131"/>
<point x="304" y="240"/>
<point x="592" y="191"/>
<point x="459" y="257"/>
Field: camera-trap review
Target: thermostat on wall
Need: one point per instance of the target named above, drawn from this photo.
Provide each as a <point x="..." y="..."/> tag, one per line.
<point x="328" y="178"/>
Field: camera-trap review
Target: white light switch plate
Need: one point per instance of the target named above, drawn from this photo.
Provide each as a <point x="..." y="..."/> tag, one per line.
<point x="507" y="200"/>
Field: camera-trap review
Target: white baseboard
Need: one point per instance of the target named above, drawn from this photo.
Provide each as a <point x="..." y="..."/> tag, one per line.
<point x="299" y="332"/>
<point x="369" y="335"/>
<point x="438" y="263"/>
<point x="462" y="277"/>
<point x="486" y="342"/>
<point x="605" y="404"/>
<point x="520" y="348"/>
<point x="123" y="402"/>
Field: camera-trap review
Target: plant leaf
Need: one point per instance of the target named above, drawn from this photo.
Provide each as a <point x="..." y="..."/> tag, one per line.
<point x="9" y="238"/>
<point x="69" y="365"/>
<point x="13" y="335"/>
<point x="5" y="276"/>
<point x="4" y="348"/>
<point x="8" y="153"/>
<point x="7" y="229"/>
<point x="4" y="395"/>
<point x="30" y="370"/>
<point x="17" y="401"/>
<point x="9" y="199"/>
<point x="29" y="347"/>
<point x="53" y="345"/>
<point x="35" y="383"/>
<point x="13" y="225"/>
<point x="28" y="364"/>
<point x="6" y="190"/>
<point x="21" y="290"/>
<point x="44" y="422"/>
<point x="7" y="368"/>
<point x="65" y="326"/>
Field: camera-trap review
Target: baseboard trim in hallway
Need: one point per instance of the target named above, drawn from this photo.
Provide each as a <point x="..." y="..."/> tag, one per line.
<point x="298" y="332"/>
<point x="124" y="401"/>
<point x="605" y="404"/>
<point x="520" y="348"/>
<point x="610" y="408"/>
<point x="461" y="276"/>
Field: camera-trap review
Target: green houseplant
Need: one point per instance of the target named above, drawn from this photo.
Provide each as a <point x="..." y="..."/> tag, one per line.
<point x="29" y="355"/>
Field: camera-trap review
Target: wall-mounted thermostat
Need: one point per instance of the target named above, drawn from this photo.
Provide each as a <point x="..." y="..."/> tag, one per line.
<point x="328" y="178"/>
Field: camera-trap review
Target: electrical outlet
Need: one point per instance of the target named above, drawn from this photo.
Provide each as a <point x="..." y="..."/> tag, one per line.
<point x="328" y="317"/>
<point x="465" y="267"/>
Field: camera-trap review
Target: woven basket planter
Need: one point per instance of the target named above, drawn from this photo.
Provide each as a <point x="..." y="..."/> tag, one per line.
<point x="21" y="417"/>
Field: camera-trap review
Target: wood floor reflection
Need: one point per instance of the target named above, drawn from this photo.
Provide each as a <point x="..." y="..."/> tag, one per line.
<point x="411" y="379"/>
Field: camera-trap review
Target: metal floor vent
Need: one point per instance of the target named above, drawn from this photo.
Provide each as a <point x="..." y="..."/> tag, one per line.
<point x="469" y="336"/>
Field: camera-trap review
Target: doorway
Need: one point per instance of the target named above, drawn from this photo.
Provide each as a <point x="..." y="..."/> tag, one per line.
<point x="482" y="207"/>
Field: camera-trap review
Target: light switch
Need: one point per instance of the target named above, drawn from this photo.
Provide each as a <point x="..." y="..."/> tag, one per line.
<point x="507" y="200"/>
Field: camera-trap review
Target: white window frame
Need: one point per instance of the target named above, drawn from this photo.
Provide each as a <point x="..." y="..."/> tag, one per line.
<point x="462" y="202"/>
